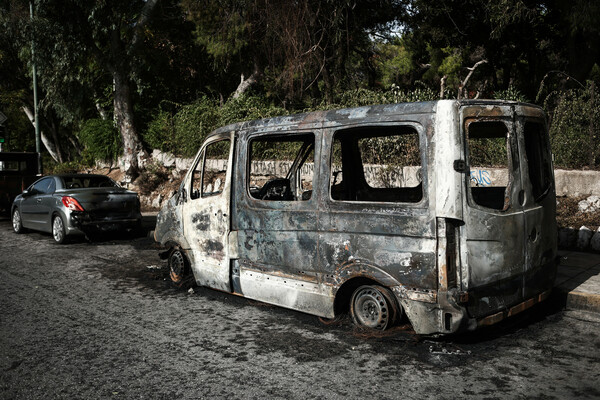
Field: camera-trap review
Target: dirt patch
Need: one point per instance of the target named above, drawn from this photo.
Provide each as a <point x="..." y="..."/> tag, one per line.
<point x="568" y="214"/>
<point x="155" y="185"/>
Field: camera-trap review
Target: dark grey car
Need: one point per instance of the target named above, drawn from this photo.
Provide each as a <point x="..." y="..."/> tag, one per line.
<point x="73" y="204"/>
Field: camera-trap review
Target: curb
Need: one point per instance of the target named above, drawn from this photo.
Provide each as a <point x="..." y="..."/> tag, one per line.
<point x="576" y="300"/>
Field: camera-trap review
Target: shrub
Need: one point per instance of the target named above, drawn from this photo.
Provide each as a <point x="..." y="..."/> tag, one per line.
<point x="574" y="130"/>
<point x="100" y="139"/>
<point x="182" y="130"/>
<point x="161" y="132"/>
<point x="512" y="93"/>
<point x="192" y="123"/>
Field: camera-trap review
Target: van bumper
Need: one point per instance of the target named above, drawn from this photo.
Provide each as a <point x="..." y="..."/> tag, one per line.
<point x="451" y="315"/>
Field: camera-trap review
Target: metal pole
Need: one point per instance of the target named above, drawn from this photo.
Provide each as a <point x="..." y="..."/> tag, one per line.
<point x="36" y="122"/>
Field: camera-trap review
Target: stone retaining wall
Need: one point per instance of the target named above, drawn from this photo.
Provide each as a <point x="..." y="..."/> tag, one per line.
<point x="568" y="183"/>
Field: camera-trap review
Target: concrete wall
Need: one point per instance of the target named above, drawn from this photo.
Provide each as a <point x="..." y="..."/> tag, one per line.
<point x="572" y="183"/>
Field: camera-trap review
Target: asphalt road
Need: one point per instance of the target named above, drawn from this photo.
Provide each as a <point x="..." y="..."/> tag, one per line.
<point x="91" y="320"/>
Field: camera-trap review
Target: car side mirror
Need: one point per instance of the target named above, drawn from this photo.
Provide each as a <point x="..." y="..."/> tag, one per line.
<point x="27" y="193"/>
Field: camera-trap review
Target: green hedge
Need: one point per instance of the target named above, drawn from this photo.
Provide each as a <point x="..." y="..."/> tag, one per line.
<point x="575" y="127"/>
<point x="181" y="129"/>
<point x="101" y="141"/>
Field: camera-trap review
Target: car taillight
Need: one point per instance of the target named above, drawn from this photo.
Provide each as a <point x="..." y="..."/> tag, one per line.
<point x="71" y="203"/>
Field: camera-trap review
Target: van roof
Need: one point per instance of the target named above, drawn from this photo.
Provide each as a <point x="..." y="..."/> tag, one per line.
<point x="350" y="116"/>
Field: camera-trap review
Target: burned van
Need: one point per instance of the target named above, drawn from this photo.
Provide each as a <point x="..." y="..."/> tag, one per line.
<point x="441" y="213"/>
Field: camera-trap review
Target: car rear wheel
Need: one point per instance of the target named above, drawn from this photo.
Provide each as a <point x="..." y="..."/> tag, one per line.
<point x="58" y="230"/>
<point x="17" y="223"/>
<point x="373" y="307"/>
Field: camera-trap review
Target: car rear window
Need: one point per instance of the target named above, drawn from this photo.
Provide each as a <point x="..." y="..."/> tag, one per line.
<point x="76" y="182"/>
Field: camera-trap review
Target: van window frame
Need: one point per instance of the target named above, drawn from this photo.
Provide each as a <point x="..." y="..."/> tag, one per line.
<point x="512" y="157"/>
<point x="423" y="203"/>
<point x="245" y="150"/>
<point x="200" y="159"/>
<point x="546" y="154"/>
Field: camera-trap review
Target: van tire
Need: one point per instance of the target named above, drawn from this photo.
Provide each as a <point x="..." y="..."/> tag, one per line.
<point x="373" y="307"/>
<point x="179" y="268"/>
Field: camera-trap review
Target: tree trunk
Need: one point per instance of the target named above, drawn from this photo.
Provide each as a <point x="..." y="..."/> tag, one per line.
<point x="54" y="130"/>
<point x="245" y="84"/>
<point x="133" y="150"/>
<point x="48" y="143"/>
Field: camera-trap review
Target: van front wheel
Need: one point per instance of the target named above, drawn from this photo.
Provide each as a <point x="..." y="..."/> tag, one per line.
<point x="373" y="307"/>
<point x="178" y="267"/>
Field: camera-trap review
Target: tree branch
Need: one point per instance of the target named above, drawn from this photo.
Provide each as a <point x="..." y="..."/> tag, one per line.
<point x="443" y="86"/>
<point x="142" y="21"/>
<point x="471" y="70"/>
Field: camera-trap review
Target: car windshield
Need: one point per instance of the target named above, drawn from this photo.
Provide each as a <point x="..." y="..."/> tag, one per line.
<point x="75" y="182"/>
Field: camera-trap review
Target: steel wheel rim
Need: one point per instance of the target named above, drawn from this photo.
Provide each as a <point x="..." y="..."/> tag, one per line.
<point x="16" y="221"/>
<point x="57" y="229"/>
<point x="371" y="309"/>
<point x="176" y="266"/>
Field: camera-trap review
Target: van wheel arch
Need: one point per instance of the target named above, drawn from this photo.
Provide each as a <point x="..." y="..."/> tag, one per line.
<point x="346" y="294"/>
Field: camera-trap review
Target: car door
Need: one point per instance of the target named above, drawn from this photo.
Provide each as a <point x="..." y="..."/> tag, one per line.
<point x="206" y="213"/>
<point x="36" y="206"/>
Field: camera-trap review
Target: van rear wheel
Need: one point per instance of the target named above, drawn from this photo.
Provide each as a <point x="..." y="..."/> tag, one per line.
<point x="373" y="307"/>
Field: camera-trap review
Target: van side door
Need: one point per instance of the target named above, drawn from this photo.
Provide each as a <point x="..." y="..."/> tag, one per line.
<point x="275" y="216"/>
<point x="206" y="213"/>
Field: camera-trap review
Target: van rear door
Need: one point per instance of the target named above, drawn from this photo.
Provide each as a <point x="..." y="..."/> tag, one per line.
<point x="493" y="211"/>
<point x="539" y="206"/>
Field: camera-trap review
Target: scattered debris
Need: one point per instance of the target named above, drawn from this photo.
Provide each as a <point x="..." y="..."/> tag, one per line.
<point x="441" y="348"/>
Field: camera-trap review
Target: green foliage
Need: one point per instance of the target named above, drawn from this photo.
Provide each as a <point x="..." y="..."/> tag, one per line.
<point x="69" y="167"/>
<point x="365" y="97"/>
<point x="248" y="107"/>
<point x="574" y="128"/>
<point x="100" y="139"/>
<point x="394" y="62"/>
<point x="159" y="134"/>
<point x="192" y="124"/>
<point x="512" y="93"/>
<point x="183" y="130"/>
<point x="451" y="65"/>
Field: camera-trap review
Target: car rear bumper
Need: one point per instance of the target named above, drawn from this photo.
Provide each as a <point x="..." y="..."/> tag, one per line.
<point x="85" y="221"/>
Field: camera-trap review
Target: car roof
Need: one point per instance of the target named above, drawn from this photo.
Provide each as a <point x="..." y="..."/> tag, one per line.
<point x="81" y="176"/>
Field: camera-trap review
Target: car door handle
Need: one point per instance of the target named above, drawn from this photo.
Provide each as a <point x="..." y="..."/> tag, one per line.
<point x="38" y="200"/>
